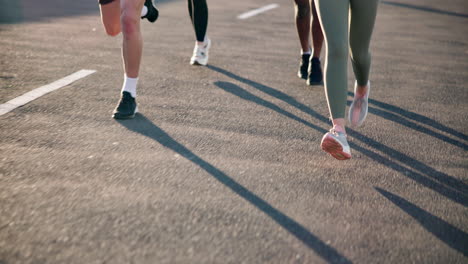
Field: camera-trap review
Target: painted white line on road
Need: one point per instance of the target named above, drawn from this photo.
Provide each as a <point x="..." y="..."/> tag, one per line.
<point x="38" y="92"/>
<point x="257" y="11"/>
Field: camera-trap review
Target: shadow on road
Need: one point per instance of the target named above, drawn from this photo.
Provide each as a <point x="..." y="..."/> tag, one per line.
<point x="442" y="183"/>
<point x="140" y="124"/>
<point x="449" y="234"/>
<point x="424" y="8"/>
<point x="20" y="11"/>
<point x="409" y="124"/>
<point x="398" y="115"/>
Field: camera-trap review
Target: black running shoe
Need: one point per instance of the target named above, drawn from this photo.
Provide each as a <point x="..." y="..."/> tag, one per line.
<point x="304" y="66"/>
<point x="315" y="73"/>
<point x="127" y="107"/>
<point x="153" y="13"/>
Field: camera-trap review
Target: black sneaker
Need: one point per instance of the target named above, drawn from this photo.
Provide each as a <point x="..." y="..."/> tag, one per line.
<point x="153" y="13"/>
<point x="127" y="107"/>
<point x="315" y="73"/>
<point x="304" y="66"/>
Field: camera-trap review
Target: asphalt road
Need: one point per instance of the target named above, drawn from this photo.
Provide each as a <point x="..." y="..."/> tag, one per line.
<point x="223" y="164"/>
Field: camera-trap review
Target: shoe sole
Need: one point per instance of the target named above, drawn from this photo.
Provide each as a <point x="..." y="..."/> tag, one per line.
<point x="314" y="83"/>
<point x="196" y="63"/>
<point x="332" y="147"/>
<point x="117" y="116"/>
<point x="123" y="117"/>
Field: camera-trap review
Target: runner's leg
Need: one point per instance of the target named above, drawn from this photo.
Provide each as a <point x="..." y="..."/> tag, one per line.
<point x="198" y="11"/>
<point x="131" y="53"/>
<point x="302" y="14"/>
<point x="110" y="16"/>
<point x="333" y="16"/>
<point x="132" y="39"/>
<point x="315" y="74"/>
<point x="317" y="34"/>
<point x="363" y="14"/>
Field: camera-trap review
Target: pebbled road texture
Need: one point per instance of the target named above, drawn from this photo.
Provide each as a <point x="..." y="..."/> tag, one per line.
<point x="223" y="164"/>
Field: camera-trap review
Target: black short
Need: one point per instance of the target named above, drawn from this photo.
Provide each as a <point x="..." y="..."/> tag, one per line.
<point x="104" y="2"/>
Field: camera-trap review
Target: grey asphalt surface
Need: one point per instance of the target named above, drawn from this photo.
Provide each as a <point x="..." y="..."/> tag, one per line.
<point x="223" y="164"/>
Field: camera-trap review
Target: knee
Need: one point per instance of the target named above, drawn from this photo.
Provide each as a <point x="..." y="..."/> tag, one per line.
<point x="129" y="21"/>
<point x="337" y="51"/>
<point x="360" y="56"/>
<point x="113" y="30"/>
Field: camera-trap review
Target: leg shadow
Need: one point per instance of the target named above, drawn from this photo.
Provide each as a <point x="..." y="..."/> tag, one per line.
<point x="453" y="195"/>
<point x="443" y="178"/>
<point x="140" y="124"/>
<point x="405" y="122"/>
<point x="417" y="117"/>
<point x="424" y="8"/>
<point x="447" y="233"/>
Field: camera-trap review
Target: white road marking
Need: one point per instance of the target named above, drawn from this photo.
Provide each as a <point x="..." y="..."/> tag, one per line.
<point x="257" y="11"/>
<point x="38" y="92"/>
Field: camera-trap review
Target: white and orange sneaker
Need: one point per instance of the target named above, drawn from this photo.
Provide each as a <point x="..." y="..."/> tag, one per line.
<point x="335" y="144"/>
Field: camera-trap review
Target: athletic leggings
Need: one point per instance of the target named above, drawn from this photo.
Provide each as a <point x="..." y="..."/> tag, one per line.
<point x="198" y="10"/>
<point x="334" y="19"/>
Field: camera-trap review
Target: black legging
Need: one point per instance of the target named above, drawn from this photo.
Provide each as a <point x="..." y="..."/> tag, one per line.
<point x="198" y="10"/>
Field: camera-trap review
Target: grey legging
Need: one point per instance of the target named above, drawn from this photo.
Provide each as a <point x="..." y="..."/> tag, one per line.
<point x="334" y="19"/>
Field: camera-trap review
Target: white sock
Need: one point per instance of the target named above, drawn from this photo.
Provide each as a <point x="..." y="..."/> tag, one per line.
<point x="144" y="11"/>
<point x="130" y="85"/>
<point x="306" y="52"/>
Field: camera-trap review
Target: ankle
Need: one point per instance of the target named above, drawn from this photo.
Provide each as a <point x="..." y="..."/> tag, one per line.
<point x="339" y="125"/>
<point x="361" y="90"/>
<point x="202" y="44"/>
<point x="339" y="128"/>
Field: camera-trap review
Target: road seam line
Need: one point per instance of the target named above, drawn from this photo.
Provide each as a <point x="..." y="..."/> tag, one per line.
<point x="43" y="90"/>
<point x="257" y="11"/>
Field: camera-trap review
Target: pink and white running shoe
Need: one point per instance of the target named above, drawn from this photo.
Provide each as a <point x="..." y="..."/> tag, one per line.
<point x="359" y="107"/>
<point x="335" y="144"/>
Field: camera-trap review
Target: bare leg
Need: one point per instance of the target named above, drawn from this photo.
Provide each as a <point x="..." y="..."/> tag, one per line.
<point x="110" y="16"/>
<point x="132" y="39"/>
<point x="124" y="16"/>
<point x="317" y="34"/>
<point x="302" y="11"/>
